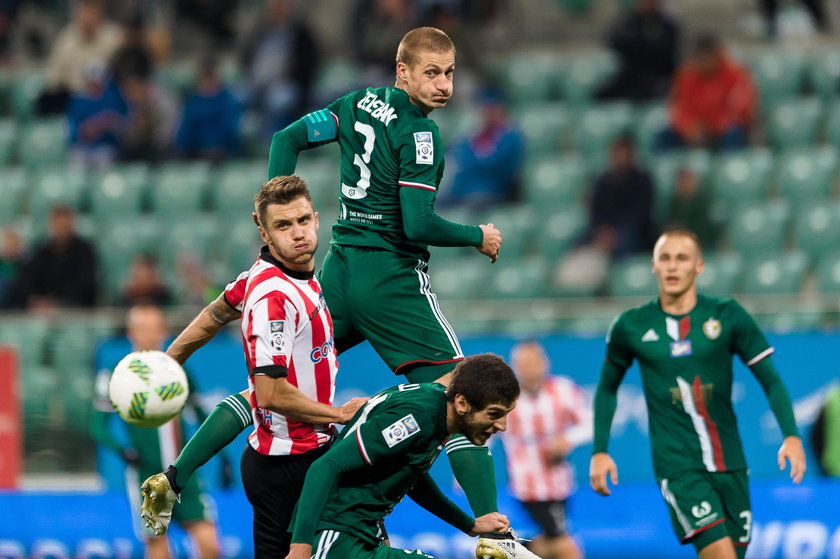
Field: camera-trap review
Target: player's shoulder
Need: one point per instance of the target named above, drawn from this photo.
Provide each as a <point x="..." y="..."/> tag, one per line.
<point x="639" y="314"/>
<point x="720" y="305"/>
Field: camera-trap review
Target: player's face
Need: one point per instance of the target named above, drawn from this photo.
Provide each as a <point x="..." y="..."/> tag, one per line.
<point x="480" y="425"/>
<point x="676" y="263"/>
<point x="146" y="328"/>
<point x="530" y="364"/>
<point x="290" y="230"/>
<point x="429" y="81"/>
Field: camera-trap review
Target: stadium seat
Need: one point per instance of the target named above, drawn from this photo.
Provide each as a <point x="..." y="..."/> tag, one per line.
<point x="178" y="79"/>
<point x="824" y="74"/>
<point x="126" y="238"/>
<point x="519" y="279"/>
<point x="180" y="189"/>
<point x="775" y="273"/>
<point x="664" y="169"/>
<point x="240" y="246"/>
<point x="456" y="123"/>
<point x="44" y="143"/>
<point x="13" y="183"/>
<point x="832" y="131"/>
<point x="600" y="125"/>
<point x="632" y="277"/>
<point x="530" y="77"/>
<point x="118" y="192"/>
<point x="721" y="273"/>
<point x="778" y="75"/>
<point x="743" y="176"/>
<point x="466" y="281"/>
<point x="337" y="76"/>
<point x="554" y="182"/>
<point x="805" y="176"/>
<point x="794" y="123"/>
<point x="8" y="140"/>
<point x="652" y="120"/>
<point x="585" y="74"/>
<point x="26" y="88"/>
<point x="828" y="273"/>
<point x="58" y="186"/>
<point x="785" y="322"/>
<point x="29" y="336"/>
<point x="817" y="229"/>
<point x="324" y="179"/>
<point x="196" y="238"/>
<point x="558" y="230"/>
<point x="545" y="128"/>
<point x="758" y="227"/>
<point x="516" y="223"/>
<point x="233" y="194"/>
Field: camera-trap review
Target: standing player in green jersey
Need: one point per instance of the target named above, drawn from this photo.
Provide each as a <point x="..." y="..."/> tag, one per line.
<point x="374" y="275"/>
<point x="385" y="453"/>
<point x="684" y="343"/>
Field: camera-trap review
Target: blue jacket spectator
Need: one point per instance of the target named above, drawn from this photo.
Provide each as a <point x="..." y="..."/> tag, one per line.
<point x="96" y="119"/>
<point x="209" y="127"/>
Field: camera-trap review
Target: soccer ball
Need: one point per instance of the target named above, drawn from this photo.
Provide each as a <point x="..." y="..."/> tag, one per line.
<point x="148" y="388"/>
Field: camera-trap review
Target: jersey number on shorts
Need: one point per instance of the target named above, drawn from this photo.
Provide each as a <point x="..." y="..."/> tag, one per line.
<point x="361" y="161"/>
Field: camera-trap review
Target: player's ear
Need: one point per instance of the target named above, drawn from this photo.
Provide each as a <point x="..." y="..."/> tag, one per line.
<point x="402" y="71"/>
<point x="317" y="223"/>
<point x="462" y="406"/>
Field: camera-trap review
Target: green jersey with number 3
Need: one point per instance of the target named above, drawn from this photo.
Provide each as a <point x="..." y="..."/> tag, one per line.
<point x="387" y="143"/>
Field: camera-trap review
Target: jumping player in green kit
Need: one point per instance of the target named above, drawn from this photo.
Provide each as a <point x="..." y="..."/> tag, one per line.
<point x="684" y="343"/>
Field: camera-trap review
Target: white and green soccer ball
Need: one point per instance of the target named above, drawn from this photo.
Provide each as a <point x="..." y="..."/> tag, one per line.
<point x="148" y="388"/>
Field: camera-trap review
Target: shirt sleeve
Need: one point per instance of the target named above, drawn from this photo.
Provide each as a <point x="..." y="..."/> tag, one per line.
<point x="421" y="224"/>
<point x="747" y="340"/>
<point x="274" y="322"/>
<point x="313" y="130"/>
<point x="618" y="351"/>
<point x="421" y="158"/>
<point x="392" y="432"/>
<point x="235" y="291"/>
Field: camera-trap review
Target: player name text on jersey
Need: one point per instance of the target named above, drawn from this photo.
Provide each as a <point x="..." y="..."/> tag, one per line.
<point x="377" y="108"/>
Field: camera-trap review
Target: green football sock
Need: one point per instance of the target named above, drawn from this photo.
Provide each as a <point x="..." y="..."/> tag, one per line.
<point x="473" y="468"/>
<point x="230" y="417"/>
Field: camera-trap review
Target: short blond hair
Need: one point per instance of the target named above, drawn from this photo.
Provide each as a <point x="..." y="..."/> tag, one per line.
<point x="423" y="39"/>
<point x="683" y="233"/>
<point x="280" y="190"/>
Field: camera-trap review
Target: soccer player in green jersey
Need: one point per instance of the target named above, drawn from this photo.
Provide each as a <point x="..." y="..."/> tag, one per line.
<point x="684" y="343"/>
<point x="385" y="453"/>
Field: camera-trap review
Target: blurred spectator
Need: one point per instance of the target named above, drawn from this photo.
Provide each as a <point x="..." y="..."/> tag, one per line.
<point x="12" y="295"/>
<point x="816" y="8"/>
<point x="195" y="288"/>
<point x="133" y="58"/>
<point x="713" y="101"/>
<point x="489" y="162"/>
<point x="551" y="418"/>
<point x="825" y="436"/>
<point x="281" y="60"/>
<point x="378" y="25"/>
<point x="691" y="207"/>
<point x="87" y="39"/>
<point x="151" y="120"/>
<point x="97" y="117"/>
<point x="8" y="14"/>
<point x="62" y="270"/>
<point x="209" y="127"/>
<point x="621" y="205"/>
<point x="645" y="41"/>
<point x="144" y="285"/>
<point x="215" y="18"/>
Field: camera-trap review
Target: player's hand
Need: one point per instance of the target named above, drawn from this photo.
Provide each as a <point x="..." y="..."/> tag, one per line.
<point x="559" y="448"/>
<point x="348" y="410"/>
<point x="601" y="465"/>
<point x="793" y="452"/>
<point x="489" y="523"/>
<point x="492" y="242"/>
<point x="299" y="551"/>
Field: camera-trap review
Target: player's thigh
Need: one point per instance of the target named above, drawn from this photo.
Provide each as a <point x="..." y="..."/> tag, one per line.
<point x="334" y="277"/>
<point x="549" y="515"/>
<point x="195" y="505"/>
<point x="694" y="506"/>
<point x="395" y="309"/>
<point x="734" y="491"/>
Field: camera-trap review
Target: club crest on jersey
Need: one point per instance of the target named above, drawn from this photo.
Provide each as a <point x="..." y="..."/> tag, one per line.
<point x="400" y="430"/>
<point x="276" y="329"/>
<point x="424" y="147"/>
<point x="712" y="328"/>
<point x="702" y="509"/>
<point x="681" y="348"/>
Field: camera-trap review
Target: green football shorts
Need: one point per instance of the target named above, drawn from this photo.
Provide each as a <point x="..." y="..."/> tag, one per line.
<point x="708" y="506"/>
<point x="386" y="298"/>
<point x="330" y="544"/>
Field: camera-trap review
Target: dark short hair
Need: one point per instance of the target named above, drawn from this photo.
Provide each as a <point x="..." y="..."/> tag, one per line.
<point x="423" y="39"/>
<point x="280" y="190"/>
<point x="484" y="379"/>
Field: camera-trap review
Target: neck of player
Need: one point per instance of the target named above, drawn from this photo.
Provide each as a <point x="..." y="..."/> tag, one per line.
<point x="402" y="85"/>
<point x="680" y="303"/>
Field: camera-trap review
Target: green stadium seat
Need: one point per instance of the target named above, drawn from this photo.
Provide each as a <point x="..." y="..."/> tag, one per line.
<point x="118" y="192"/>
<point x="126" y="237"/>
<point x="828" y="273"/>
<point x="26" y="88"/>
<point x="664" y="169"/>
<point x="324" y="179"/>
<point x="775" y="273"/>
<point x="554" y="182"/>
<point x="600" y="125"/>
<point x="759" y="227"/>
<point x="58" y="186"/>
<point x="519" y="279"/>
<point x="786" y="322"/>
<point x="530" y="77"/>
<point x="516" y="223"/>
<point x="233" y="195"/>
<point x="8" y="140"/>
<point x="743" y="176"/>
<point x="545" y="127"/>
<point x="29" y="336"/>
<point x="817" y="229"/>
<point x="337" y="76"/>
<point x="778" y="75"/>
<point x="632" y="277"/>
<point x="177" y="78"/>
<point x="559" y="229"/>
<point x="196" y="237"/>
<point x="794" y="123"/>
<point x="825" y="75"/>
<point x="586" y="73"/>
<point x="13" y="182"/>
<point x="468" y="280"/>
<point x="180" y="189"/>
<point x="721" y="272"/>
<point x="832" y="131"/>
<point x="44" y="144"/>
<point x="528" y="327"/>
<point x="240" y="247"/>
<point x="805" y="176"/>
<point x="652" y="120"/>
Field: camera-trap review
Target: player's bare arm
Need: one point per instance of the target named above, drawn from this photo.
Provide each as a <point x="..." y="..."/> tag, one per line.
<point x="492" y="242"/>
<point x="793" y="452"/>
<point x="299" y="551"/>
<point x="600" y="466"/>
<point x="201" y="330"/>
<point x="280" y="396"/>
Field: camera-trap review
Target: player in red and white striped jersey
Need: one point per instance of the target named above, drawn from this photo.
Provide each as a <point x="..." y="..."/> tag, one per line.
<point x="551" y="418"/>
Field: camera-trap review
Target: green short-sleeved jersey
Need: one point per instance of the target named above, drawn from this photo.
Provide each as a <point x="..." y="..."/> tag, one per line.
<point x="386" y="143"/>
<point x="686" y="368"/>
<point x="399" y="433"/>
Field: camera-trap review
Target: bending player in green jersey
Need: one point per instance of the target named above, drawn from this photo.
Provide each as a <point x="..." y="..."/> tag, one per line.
<point x="385" y="453"/>
<point x="684" y="343"/>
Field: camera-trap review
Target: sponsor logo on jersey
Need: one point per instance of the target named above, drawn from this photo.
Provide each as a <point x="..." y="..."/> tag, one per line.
<point x="276" y="329"/>
<point x="400" y="430"/>
<point x="321" y="352"/>
<point x="701" y="510"/>
<point x="712" y="328"/>
<point x="424" y="147"/>
<point x="650" y="336"/>
<point x="681" y="348"/>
